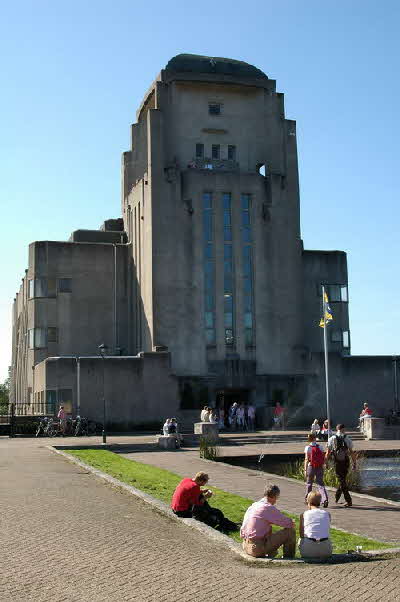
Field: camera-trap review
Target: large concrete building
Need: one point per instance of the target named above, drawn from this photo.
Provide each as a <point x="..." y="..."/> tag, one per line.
<point x="202" y="292"/>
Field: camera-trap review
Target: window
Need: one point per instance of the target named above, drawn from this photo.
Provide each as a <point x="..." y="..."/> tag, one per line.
<point x="37" y="338"/>
<point x="336" y="292"/>
<point x="208" y="269"/>
<point x="51" y="287"/>
<point x="199" y="150"/>
<point x="37" y="288"/>
<point x="228" y="270"/>
<point x="232" y="152"/>
<point x="215" y="151"/>
<point x="64" y="285"/>
<point x="247" y="270"/>
<point x="52" y="335"/>
<point x="214" y="108"/>
<point x="341" y="336"/>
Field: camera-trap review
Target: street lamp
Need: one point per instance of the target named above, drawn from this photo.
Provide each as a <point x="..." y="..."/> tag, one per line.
<point x="102" y="351"/>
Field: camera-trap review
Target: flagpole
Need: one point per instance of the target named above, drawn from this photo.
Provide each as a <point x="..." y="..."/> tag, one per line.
<point x="324" y="308"/>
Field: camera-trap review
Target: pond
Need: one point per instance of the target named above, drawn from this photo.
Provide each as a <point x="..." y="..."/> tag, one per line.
<point x="380" y="477"/>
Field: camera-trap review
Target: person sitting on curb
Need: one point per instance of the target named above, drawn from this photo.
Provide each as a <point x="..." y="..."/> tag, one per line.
<point x="340" y="447"/>
<point x="314" y="539"/>
<point x="256" y="530"/>
<point x="314" y="459"/>
<point x="365" y="413"/>
<point x="188" y="494"/>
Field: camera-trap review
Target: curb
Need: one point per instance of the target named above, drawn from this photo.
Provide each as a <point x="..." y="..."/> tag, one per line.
<point x="209" y="532"/>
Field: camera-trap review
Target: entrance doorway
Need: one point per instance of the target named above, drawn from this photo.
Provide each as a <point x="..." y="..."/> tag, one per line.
<point x="226" y="397"/>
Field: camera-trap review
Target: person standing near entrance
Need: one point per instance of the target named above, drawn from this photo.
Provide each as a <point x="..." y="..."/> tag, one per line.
<point x="340" y="447"/>
<point x="251" y="417"/>
<point x="278" y="415"/>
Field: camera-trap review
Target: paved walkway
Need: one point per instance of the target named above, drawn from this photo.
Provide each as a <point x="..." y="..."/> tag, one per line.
<point x="67" y="537"/>
<point x="380" y="521"/>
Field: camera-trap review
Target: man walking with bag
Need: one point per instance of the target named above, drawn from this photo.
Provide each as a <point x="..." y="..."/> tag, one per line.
<point x="314" y="459"/>
<point x="340" y="447"/>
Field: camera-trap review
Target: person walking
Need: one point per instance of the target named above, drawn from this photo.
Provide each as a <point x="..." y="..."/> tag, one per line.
<point x="314" y="530"/>
<point x="62" y="417"/>
<point x="314" y="459"/>
<point x="256" y="530"/>
<point x="340" y="448"/>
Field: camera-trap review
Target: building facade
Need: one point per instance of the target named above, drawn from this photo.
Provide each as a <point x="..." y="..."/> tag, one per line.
<point x="204" y="279"/>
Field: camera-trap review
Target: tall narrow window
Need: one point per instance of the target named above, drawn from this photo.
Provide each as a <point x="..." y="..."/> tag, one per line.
<point x="228" y="271"/>
<point x="215" y="151"/>
<point x="214" y="108"/>
<point x="231" y="152"/>
<point x="247" y="265"/>
<point x="199" y="151"/>
<point x="209" y="269"/>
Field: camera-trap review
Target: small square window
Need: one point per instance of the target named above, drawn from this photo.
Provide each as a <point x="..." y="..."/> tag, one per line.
<point x="336" y="336"/>
<point x="210" y="336"/>
<point x="209" y="319"/>
<point x="51" y="287"/>
<point x="215" y="151"/>
<point x="52" y="335"/>
<point x="248" y="336"/>
<point x="199" y="151"/>
<point x="231" y="152"/>
<point x="64" y="285"/>
<point x="214" y="108"/>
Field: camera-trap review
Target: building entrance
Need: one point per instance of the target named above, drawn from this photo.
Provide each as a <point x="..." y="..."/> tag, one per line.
<point x="226" y="397"/>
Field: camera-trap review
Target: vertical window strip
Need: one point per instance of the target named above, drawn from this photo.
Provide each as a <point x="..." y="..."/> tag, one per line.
<point x="247" y="261"/>
<point x="209" y="269"/>
<point x="228" y="271"/>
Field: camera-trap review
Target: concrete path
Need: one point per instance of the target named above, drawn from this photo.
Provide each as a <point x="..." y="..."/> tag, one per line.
<point x="380" y="521"/>
<point x="67" y="537"/>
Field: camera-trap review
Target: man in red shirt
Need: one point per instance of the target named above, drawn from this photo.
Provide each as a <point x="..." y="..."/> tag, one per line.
<point x="188" y="493"/>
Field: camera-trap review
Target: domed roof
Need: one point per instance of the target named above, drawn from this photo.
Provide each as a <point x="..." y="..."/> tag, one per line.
<point x="195" y="63"/>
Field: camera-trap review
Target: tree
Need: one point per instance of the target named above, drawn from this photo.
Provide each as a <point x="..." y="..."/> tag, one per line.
<point x="4" y="396"/>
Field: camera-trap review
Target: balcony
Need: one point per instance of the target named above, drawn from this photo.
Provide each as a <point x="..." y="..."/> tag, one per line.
<point x="213" y="164"/>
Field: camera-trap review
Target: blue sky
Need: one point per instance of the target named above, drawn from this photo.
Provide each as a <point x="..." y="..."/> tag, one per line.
<point x="73" y="74"/>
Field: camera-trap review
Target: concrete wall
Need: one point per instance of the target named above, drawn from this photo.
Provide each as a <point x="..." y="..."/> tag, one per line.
<point x="323" y="267"/>
<point x="137" y="390"/>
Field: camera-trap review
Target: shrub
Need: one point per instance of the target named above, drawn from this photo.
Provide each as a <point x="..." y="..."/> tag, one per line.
<point x="208" y="449"/>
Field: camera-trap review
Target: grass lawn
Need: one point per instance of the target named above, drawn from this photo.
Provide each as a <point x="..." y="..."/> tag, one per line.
<point x="161" y="483"/>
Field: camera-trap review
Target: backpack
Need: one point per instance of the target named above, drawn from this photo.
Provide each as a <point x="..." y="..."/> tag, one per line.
<point x="317" y="456"/>
<point x="340" y="448"/>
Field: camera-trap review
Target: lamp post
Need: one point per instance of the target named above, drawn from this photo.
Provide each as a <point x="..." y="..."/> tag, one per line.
<point x="102" y="351"/>
<point x="78" y="385"/>
<point x="395" y="384"/>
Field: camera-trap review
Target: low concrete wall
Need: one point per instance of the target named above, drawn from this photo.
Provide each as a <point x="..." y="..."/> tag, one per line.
<point x="374" y="428"/>
<point x="137" y="390"/>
